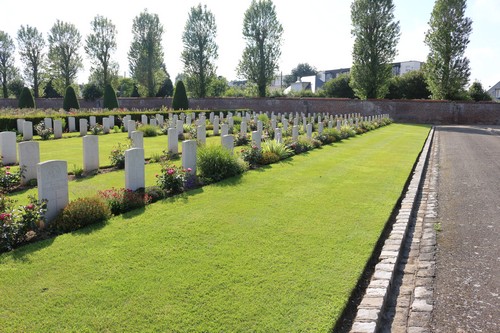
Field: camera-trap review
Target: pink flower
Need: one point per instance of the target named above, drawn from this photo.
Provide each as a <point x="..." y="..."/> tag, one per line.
<point x="189" y="169"/>
<point x="7" y="173"/>
<point x="171" y="171"/>
<point x="7" y="167"/>
<point x="30" y="206"/>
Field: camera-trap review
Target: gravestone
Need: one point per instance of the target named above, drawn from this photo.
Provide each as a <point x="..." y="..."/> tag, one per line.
<point x="260" y="126"/>
<point x="224" y="130"/>
<point x="285" y="126"/>
<point x="243" y="127"/>
<point x="320" y="128"/>
<point x="188" y="120"/>
<point x="8" y="147"/>
<point x="90" y="153"/>
<point x="125" y="121"/>
<point x="216" y="125"/>
<point x="278" y="136"/>
<point x="144" y="119"/>
<point x="111" y="122"/>
<point x="230" y="122"/>
<point x="173" y="141"/>
<point x="273" y="123"/>
<point x="295" y="133"/>
<point x="309" y="128"/>
<point x="27" y="130"/>
<point x="92" y="121"/>
<point x="201" y="134"/>
<point x="152" y="122"/>
<point x="160" y="120"/>
<point x="20" y="124"/>
<point x="339" y="124"/>
<point x="71" y="124"/>
<point x="48" y="122"/>
<point x="189" y="155"/>
<point x="130" y="127"/>
<point x="83" y="127"/>
<point x="137" y="138"/>
<point x="29" y="157"/>
<point x="257" y="138"/>
<point x="134" y="169"/>
<point x="180" y="126"/>
<point x="57" y="129"/>
<point x="105" y="125"/>
<point x="330" y="124"/>
<point x="52" y="183"/>
<point x="228" y="142"/>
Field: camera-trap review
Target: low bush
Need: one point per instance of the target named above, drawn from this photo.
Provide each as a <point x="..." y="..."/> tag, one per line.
<point x="155" y="193"/>
<point x="96" y="129"/>
<point x="329" y="135"/>
<point x="241" y="140"/>
<point x="43" y="131"/>
<point x="347" y="131"/>
<point x="275" y="147"/>
<point x="269" y="157"/>
<point x="171" y="179"/>
<point x="117" y="155"/>
<point x="148" y="130"/>
<point x="252" y="155"/>
<point x="216" y="163"/>
<point x="26" y="100"/>
<point x="300" y="146"/>
<point x="81" y="213"/>
<point x="9" y="179"/>
<point x="123" y="200"/>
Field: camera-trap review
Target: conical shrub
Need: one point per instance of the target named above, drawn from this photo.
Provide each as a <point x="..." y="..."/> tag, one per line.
<point x="70" y="100"/>
<point x="26" y="100"/>
<point x="110" y="101"/>
<point x="180" y="100"/>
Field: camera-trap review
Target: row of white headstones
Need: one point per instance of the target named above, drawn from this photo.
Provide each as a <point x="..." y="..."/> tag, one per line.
<point x="51" y="176"/>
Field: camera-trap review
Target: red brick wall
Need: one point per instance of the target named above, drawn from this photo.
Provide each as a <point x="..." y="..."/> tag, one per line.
<point x="410" y="111"/>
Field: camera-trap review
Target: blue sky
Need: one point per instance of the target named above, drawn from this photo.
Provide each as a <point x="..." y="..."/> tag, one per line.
<point x="315" y="31"/>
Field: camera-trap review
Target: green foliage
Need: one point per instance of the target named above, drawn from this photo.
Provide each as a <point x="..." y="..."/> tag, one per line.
<point x="200" y="50"/>
<point x="215" y="163"/>
<point x="9" y="179"/>
<point x="376" y="36"/>
<point x="329" y="135"/>
<point x="269" y="157"/>
<point x="338" y="87"/>
<point x="180" y="100"/>
<point x="171" y="178"/>
<point x="16" y="223"/>
<point x="277" y="148"/>
<point x="26" y="100"/>
<point x="300" y="146"/>
<point x="146" y="52"/>
<point x="99" y="45"/>
<point x="252" y="155"/>
<point x="148" y="130"/>
<point x="117" y="155"/>
<point x="49" y="91"/>
<point x="16" y="86"/>
<point x="70" y="100"/>
<point x="81" y="213"/>
<point x="155" y="193"/>
<point x="347" y="131"/>
<point x="302" y="69"/>
<point x="447" y="69"/>
<point x="263" y="36"/>
<point x="64" y="42"/>
<point x="43" y="131"/>
<point x="31" y="46"/>
<point x="7" y="68"/>
<point x="110" y="101"/>
<point x="135" y="91"/>
<point x="166" y="89"/>
<point x="411" y="85"/>
<point x="91" y="92"/>
<point x="477" y="93"/>
<point x="123" y="200"/>
<point x="218" y="87"/>
<point x="96" y="129"/>
<point x="241" y="139"/>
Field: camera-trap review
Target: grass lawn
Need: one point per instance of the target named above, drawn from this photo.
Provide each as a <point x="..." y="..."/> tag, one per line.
<point x="276" y="250"/>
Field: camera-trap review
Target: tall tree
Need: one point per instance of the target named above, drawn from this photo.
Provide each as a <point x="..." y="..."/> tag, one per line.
<point x="146" y="53"/>
<point x="200" y="50"/>
<point x="376" y="35"/>
<point x="99" y="46"/>
<point x="64" y="60"/>
<point x="7" y="69"/>
<point x="447" y="70"/>
<point x="263" y="35"/>
<point x="303" y="69"/>
<point x="338" y="87"/>
<point x="31" y="45"/>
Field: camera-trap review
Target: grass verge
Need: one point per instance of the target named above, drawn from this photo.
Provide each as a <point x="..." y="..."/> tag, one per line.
<point x="277" y="249"/>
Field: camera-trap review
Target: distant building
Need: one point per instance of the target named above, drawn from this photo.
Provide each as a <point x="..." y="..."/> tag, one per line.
<point x="494" y="92"/>
<point x="314" y="83"/>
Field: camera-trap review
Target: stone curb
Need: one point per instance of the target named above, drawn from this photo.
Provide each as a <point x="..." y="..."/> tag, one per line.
<point x="369" y="313"/>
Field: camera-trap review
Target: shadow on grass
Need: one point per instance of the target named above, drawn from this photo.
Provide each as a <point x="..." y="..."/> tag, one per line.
<point x="21" y="253"/>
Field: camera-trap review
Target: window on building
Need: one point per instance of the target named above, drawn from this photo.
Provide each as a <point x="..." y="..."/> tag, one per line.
<point x="497" y="93"/>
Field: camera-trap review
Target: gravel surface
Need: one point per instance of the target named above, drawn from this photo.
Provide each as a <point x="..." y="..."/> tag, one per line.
<point x="467" y="284"/>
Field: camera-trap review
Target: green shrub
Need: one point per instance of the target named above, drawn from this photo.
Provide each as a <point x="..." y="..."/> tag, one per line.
<point x="123" y="200"/>
<point x="26" y="100"/>
<point x="9" y="179"/>
<point x="91" y="92"/>
<point x="300" y="146"/>
<point x="277" y="148"/>
<point x="241" y="140"/>
<point x="155" y="193"/>
<point x="43" y="131"/>
<point x="110" y="101"/>
<point x="96" y="129"/>
<point x="148" y="130"/>
<point x="216" y="163"/>
<point x="171" y="179"/>
<point x="81" y="213"/>
<point x="329" y="135"/>
<point x="117" y="156"/>
<point x="269" y="157"/>
<point x="252" y="155"/>
<point x="180" y="100"/>
<point x="70" y="100"/>
<point x="347" y="131"/>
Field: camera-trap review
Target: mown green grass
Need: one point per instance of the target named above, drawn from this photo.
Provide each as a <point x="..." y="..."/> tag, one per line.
<point x="276" y="250"/>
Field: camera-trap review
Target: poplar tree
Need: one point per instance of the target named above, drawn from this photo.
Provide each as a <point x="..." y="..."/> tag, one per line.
<point x="263" y="35"/>
<point x="7" y="69"/>
<point x="31" y="45"/>
<point x="376" y="36"/>
<point x="447" y="69"/>
<point x="200" y="50"/>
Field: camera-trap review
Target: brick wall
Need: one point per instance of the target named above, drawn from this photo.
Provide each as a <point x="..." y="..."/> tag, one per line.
<point x="410" y="111"/>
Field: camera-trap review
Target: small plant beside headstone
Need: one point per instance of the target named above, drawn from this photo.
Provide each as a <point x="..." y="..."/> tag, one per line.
<point x="43" y="131"/>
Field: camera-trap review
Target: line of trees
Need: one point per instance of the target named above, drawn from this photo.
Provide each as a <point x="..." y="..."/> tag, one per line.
<point x="375" y="30"/>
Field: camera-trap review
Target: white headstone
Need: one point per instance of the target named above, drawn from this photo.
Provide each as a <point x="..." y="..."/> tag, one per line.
<point x="330" y="124"/>
<point x="320" y="128"/>
<point x="260" y="126"/>
<point x="173" y="141"/>
<point x="90" y="153"/>
<point x="180" y="126"/>
<point x="152" y="122"/>
<point x="160" y="120"/>
<point x="111" y="122"/>
<point x="29" y="157"/>
<point x="277" y="135"/>
<point x="257" y="138"/>
<point x="285" y="126"/>
<point x="134" y="169"/>
<point x="57" y="129"/>
<point x="130" y="127"/>
<point x="230" y="122"/>
<point x="188" y="119"/>
<point x="201" y="134"/>
<point x="27" y="130"/>
<point x="189" y="155"/>
<point x="83" y="126"/>
<point x="224" y="129"/>
<point x="52" y="182"/>
<point x="20" y="123"/>
<point x="295" y="133"/>
<point x="339" y="124"/>
<point x="48" y="122"/>
<point x="228" y="142"/>
<point x="8" y="149"/>
<point x="92" y="121"/>
<point x="137" y="138"/>
<point x="243" y="127"/>
<point x="125" y="121"/>
<point x="144" y="119"/>
<point x="105" y="125"/>
<point x="216" y="125"/>
<point x="309" y="128"/>
<point x="71" y="124"/>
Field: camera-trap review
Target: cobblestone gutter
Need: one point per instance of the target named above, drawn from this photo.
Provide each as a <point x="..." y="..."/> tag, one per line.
<point x="370" y="310"/>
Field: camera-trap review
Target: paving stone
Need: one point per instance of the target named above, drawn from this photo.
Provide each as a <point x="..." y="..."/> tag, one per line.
<point x="421" y="305"/>
<point x="419" y="319"/>
<point x="359" y="327"/>
<point x="372" y="302"/>
<point x="367" y="314"/>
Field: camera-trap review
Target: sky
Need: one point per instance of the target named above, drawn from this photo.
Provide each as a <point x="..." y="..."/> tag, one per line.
<point x="317" y="32"/>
